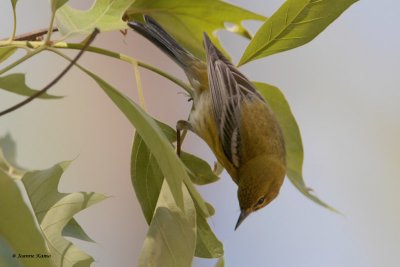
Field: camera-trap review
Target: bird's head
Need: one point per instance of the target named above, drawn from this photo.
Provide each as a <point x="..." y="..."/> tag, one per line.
<point x="259" y="182"/>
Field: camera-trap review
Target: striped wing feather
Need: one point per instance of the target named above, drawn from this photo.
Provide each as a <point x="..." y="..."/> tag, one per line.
<point x="229" y="88"/>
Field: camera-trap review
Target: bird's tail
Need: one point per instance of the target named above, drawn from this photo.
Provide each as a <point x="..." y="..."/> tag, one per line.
<point x="158" y="36"/>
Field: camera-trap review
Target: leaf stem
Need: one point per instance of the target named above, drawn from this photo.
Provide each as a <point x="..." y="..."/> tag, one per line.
<point x="14" y="25"/>
<point x="178" y="82"/>
<point x="139" y="85"/>
<point x="50" y="30"/>
<point x="102" y="51"/>
<point x="53" y="82"/>
<point x="128" y="59"/>
<point x="30" y="44"/>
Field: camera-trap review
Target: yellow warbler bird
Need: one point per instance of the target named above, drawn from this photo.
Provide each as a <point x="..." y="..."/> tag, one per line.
<point x="231" y="117"/>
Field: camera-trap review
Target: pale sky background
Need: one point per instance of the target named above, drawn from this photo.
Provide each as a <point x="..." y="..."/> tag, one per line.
<point x="343" y="87"/>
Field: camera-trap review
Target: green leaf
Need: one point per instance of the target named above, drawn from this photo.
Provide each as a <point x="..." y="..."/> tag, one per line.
<point x="73" y="229"/>
<point x="14" y="3"/>
<point x="18" y="225"/>
<point x="8" y="155"/>
<point x="220" y="262"/>
<point x="186" y="20"/>
<point x="56" y="4"/>
<point x="295" y="23"/>
<point x="15" y="83"/>
<point x="167" y="131"/>
<point x="218" y="168"/>
<point x="8" y="146"/>
<point x="199" y="170"/>
<point x="171" y="239"/>
<point x="106" y="15"/>
<point x="147" y="180"/>
<point x="6" y="52"/>
<point x="152" y="135"/>
<point x="291" y="133"/>
<point x="207" y="244"/>
<point x="172" y="168"/>
<point x="211" y="210"/>
<point x="6" y="253"/>
<point x="54" y="210"/>
<point x="146" y="176"/>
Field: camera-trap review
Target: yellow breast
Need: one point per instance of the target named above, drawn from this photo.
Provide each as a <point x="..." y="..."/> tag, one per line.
<point x="204" y="125"/>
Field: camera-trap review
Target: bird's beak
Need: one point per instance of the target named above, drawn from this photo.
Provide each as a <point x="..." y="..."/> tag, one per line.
<point x="243" y="215"/>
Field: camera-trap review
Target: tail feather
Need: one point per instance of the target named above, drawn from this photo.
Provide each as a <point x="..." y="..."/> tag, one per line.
<point x="152" y="31"/>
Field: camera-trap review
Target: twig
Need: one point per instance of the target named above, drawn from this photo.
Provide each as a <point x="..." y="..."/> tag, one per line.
<point x="139" y="84"/>
<point x="48" y="37"/>
<point x="31" y="36"/>
<point x="53" y="82"/>
<point x="128" y="59"/>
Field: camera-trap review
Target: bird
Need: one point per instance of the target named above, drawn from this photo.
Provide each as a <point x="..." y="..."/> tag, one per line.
<point x="231" y="116"/>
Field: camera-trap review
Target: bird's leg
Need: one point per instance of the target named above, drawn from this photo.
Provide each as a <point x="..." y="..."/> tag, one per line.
<point x="181" y="126"/>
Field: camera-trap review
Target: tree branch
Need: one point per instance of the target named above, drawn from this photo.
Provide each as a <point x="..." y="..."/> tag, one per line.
<point x="31" y="36"/>
<point x="53" y="82"/>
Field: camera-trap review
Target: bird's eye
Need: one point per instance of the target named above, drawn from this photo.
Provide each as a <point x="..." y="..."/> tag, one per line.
<point x="260" y="201"/>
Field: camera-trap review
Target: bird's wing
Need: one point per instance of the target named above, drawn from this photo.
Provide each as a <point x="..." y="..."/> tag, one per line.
<point x="229" y="88"/>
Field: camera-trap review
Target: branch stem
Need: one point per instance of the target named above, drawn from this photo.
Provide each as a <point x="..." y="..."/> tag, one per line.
<point x="97" y="50"/>
<point x="30" y="36"/>
<point x="50" y="30"/>
<point x="14" y="25"/>
<point x="128" y="59"/>
<point x="139" y="85"/>
<point x="53" y="82"/>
